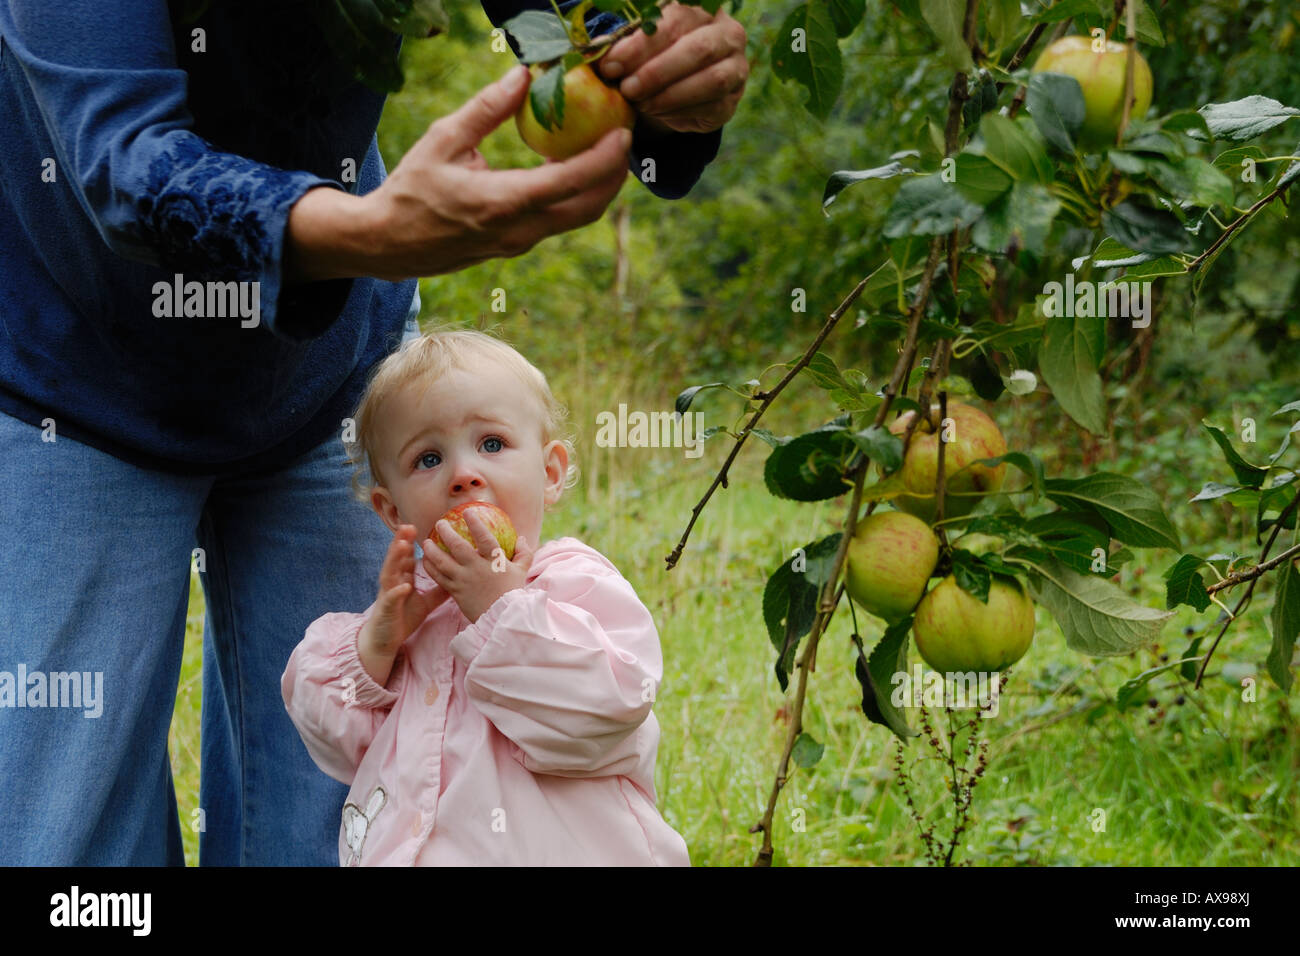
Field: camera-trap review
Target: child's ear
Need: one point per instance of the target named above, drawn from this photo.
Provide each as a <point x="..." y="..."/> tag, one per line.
<point x="556" y="457"/>
<point x="383" y="504"/>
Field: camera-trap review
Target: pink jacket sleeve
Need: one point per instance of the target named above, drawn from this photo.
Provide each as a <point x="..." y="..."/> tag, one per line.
<point x="567" y="668"/>
<point x="337" y="706"/>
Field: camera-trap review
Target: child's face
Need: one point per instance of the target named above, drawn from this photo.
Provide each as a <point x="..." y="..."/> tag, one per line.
<point x="473" y="435"/>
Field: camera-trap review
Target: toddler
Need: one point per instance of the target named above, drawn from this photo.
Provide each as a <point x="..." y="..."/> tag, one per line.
<point x="484" y="711"/>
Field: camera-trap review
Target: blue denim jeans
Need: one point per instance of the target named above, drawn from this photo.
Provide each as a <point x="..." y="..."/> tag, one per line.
<point x="95" y="558"/>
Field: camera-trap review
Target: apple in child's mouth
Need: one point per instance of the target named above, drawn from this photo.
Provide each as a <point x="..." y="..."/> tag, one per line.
<point x="498" y="523"/>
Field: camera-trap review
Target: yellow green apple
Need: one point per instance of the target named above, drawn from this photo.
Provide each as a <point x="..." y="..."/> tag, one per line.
<point x="956" y="632"/>
<point x="891" y="557"/>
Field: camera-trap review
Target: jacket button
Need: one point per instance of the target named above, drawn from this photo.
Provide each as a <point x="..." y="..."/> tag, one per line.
<point x="431" y="694"/>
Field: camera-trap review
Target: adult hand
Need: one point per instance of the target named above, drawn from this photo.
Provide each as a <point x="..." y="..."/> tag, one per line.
<point x="688" y="76"/>
<point x="443" y="208"/>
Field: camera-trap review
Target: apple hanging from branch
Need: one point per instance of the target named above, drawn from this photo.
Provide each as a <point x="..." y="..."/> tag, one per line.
<point x="890" y="560"/>
<point x="587" y="110"/>
<point x="956" y="632"/>
<point x="1100" y="73"/>
<point x="973" y="436"/>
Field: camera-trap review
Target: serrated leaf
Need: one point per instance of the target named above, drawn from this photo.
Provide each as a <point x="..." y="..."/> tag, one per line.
<point x="1096" y="617"/>
<point x="540" y="34"/>
<point x="806" y="51"/>
<point x="1022" y="219"/>
<point x="1246" y="118"/>
<point x="809" y="467"/>
<point x="846" y="14"/>
<point x="1184" y="584"/>
<point x="927" y="206"/>
<point x="880" y="446"/>
<point x="1131" y="508"/>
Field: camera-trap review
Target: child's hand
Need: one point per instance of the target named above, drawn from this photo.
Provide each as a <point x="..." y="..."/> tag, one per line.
<point x="399" y="608"/>
<point x="474" y="578"/>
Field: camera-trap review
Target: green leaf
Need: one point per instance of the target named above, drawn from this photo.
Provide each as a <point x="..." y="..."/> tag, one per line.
<point x="811" y="466"/>
<point x="1252" y="476"/>
<point x="1184" y="584"/>
<point x="684" y="400"/>
<point x="845" y="14"/>
<point x="546" y="97"/>
<point x="927" y="206"/>
<point x="1068" y="358"/>
<point x="1145" y="229"/>
<point x="806" y="51"/>
<point x="1004" y="20"/>
<point x="790" y="602"/>
<point x="972" y="575"/>
<point x="1130" y="507"/>
<point x="1246" y="118"/>
<point x="541" y="36"/>
<point x="1096" y="617"/>
<point x="361" y="39"/>
<point x="806" y="751"/>
<point x="1285" y="620"/>
<point x="1055" y="102"/>
<point x="945" y="18"/>
<point x="979" y="179"/>
<point x="1014" y="147"/>
<point x="880" y="446"/>
<point x="1130" y="690"/>
<point x="876" y="675"/>
<point x="415" y="18"/>
<point x="842" y="179"/>
<point x="1022" y="219"/>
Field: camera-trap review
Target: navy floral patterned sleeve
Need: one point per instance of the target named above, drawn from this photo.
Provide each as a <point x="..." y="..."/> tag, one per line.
<point x="148" y="164"/>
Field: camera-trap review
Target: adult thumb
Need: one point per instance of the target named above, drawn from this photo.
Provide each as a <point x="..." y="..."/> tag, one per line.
<point x="485" y="111"/>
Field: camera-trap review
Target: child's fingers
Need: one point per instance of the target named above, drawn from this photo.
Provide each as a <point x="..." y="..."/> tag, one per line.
<point x="484" y="540"/>
<point x="524" y="552"/>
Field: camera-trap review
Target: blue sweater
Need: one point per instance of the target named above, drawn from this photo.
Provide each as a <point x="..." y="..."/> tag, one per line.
<point x="128" y="159"/>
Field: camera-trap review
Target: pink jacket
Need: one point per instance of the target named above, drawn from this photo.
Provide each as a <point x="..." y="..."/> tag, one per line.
<point x="524" y="738"/>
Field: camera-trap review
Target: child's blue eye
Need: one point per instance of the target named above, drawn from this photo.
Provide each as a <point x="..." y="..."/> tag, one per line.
<point x="493" y="444"/>
<point x="424" y="460"/>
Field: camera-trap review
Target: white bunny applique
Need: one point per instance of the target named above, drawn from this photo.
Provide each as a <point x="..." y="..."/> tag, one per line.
<point x="357" y="822"/>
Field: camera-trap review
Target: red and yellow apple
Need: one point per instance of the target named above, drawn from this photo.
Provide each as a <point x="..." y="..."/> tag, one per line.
<point x="973" y="436"/>
<point x="591" y="109"/>
<point x="956" y="632"/>
<point x="1101" y="75"/>
<point x="891" y="557"/>
<point x="498" y="523"/>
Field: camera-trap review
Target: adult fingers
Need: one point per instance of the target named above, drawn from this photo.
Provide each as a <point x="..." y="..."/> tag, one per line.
<point x="520" y="191"/>
<point x="529" y="229"/>
<point x="722" y="40"/>
<point x="626" y="56"/>
<point x="460" y="132"/>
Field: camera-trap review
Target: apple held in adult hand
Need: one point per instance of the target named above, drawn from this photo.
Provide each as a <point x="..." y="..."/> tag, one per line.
<point x="498" y="523"/>
<point x="891" y="557"/>
<point x="956" y="632"/>
<point x="971" y="436"/>
<point x="591" y="109"/>
<point x="1101" y="75"/>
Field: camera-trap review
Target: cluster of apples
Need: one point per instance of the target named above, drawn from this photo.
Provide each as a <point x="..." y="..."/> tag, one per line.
<point x="893" y="554"/>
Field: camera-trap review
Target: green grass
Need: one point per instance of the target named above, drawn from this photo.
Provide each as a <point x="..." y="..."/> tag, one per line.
<point x="1212" y="782"/>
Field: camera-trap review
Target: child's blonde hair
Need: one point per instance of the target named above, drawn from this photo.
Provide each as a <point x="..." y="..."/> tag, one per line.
<point x="422" y="361"/>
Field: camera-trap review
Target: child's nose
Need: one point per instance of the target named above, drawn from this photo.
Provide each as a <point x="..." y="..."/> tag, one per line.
<point x="466" y="480"/>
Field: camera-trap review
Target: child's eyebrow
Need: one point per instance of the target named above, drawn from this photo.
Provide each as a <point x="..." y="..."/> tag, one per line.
<point x="424" y="434"/>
